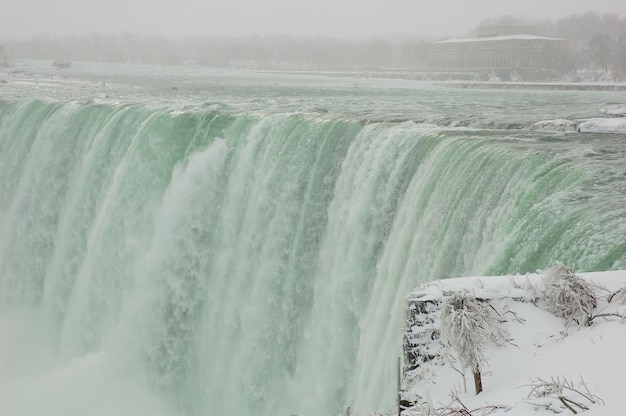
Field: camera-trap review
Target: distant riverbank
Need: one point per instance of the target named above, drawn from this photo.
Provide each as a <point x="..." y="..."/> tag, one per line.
<point x="566" y="86"/>
<point x="466" y="80"/>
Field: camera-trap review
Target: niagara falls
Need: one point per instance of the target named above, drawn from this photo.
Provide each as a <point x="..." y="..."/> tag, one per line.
<point x="235" y="224"/>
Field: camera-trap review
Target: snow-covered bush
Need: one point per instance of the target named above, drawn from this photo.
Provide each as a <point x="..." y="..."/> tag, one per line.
<point x="568" y="296"/>
<point x="466" y="326"/>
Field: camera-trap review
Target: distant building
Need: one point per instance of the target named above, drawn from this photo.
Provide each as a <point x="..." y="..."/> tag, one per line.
<point x="502" y="52"/>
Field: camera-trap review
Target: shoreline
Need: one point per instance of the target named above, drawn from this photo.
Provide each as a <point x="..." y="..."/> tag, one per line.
<point x="437" y="78"/>
<point x="564" y="86"/>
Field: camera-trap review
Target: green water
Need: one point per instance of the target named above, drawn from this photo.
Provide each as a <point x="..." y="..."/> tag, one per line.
<point x="243" y="244"/>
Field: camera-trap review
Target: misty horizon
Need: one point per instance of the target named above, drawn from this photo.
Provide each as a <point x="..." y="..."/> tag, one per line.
<point x="241" y="18"/>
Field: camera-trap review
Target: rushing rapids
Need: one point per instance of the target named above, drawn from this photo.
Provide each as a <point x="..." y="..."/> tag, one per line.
<point x="201" y="261"/>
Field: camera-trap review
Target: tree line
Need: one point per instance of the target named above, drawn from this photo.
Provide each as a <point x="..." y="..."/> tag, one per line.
<point x="596" y="43"/>
<point x="255" y="52"/>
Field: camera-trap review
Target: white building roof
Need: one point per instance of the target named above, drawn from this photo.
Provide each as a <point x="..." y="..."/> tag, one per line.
<point x="496" y="38"/>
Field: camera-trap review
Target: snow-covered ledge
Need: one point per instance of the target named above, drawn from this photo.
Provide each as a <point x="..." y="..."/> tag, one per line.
<point x="549" y="363"/>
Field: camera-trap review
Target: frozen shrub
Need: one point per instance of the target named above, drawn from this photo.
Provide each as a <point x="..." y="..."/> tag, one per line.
<point x="568" y="296"/>
<point x="466" y="326"/>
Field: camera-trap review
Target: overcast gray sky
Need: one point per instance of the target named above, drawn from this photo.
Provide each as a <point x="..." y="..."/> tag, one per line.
<point x="24" y="18"/>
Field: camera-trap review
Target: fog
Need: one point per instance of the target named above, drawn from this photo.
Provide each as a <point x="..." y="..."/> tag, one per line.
<point x="334" y="18"/>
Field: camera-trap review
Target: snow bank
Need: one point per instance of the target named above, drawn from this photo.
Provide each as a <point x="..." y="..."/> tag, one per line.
<point x="541" y="348"/>
<point x="613" y="124"/>
<point x="603" y="125"/>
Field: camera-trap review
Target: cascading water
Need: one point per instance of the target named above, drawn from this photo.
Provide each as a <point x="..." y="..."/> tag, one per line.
<point x="197" y="262"/>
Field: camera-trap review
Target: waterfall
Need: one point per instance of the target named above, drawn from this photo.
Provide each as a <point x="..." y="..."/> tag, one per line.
<point x="192" y="262"/>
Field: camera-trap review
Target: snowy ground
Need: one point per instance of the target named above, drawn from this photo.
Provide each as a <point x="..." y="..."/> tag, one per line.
<point x="541" y="347"/>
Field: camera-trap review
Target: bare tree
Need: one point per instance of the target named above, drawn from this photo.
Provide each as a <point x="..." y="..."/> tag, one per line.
<point x="602" y="51"/>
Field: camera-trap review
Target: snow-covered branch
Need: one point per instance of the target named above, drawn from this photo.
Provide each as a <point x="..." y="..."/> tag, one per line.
<point x="559" y="394"/>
